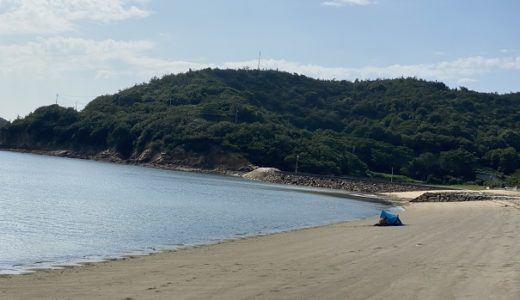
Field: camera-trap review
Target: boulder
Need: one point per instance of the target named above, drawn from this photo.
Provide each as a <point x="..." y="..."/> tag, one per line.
<point x="262" y="173"/>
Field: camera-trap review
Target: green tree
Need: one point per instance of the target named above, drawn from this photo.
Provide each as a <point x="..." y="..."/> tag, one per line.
<point x="424" y="167"/>
<point x="506" y="160"/>
<point x="514" y="179"/>
<point x="458" y="163"/>
<point x="3" y="122"/>
<point x="512" y="138"/>
<point x="415" y="127"/>
<point x="122" y="140"/>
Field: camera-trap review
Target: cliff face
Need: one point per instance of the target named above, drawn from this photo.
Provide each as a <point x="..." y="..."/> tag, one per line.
<point x="217" y="162"/>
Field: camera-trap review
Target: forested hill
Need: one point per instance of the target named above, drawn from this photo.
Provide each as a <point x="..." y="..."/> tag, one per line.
<point x="421" y="129"/>
<point x="3" y="122"/>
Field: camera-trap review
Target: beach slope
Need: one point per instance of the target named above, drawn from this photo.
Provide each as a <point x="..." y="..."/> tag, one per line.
<point x="446" y="251"/>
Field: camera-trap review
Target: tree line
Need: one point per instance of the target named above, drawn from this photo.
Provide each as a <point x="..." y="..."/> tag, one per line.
<point x="3" y="122"/>
<point x="416" y="128"/>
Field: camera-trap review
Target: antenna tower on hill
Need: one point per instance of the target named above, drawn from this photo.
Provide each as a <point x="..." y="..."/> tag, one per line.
<point x="259" y="59"/>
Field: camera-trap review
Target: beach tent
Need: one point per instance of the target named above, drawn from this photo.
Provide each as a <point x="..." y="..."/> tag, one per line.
<point x="389" y="219"/>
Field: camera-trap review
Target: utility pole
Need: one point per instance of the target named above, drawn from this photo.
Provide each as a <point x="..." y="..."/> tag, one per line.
<point x="392" y="177"/>
<point x="57" y="96"/>
<point x="297" y="160"/>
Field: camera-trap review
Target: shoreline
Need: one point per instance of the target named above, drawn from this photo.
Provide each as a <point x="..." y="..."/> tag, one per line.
<point x="389" y="195"/>
<point x="341" y="193"/>
<point x="50" y="267"/>
<point x="109" y="159"/>
<point x="308" y="251"/>
<point x="142" y="254"/>
<point x="356" y="185"/>
<point x="31" y="267"/>
<point x="439" y="254"/>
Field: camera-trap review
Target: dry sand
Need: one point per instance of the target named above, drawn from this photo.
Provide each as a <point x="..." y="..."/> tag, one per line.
<point x="446" y="251"/>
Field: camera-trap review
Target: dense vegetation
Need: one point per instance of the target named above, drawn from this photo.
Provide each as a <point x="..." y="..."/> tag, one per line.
<point x="416" y="128"/>
<point x="3" y="122"/>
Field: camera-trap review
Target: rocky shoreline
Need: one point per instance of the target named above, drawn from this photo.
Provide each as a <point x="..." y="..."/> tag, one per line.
<point x="113" y="157"/>
<point x="460" y="197"/>
<point x="359" y="185"/>
<point x="271" y="175"/>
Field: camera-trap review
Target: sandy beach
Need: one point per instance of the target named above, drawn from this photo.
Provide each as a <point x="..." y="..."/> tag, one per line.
<point x="446" y="251"/>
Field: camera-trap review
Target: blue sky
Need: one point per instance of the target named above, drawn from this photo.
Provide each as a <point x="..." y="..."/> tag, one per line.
<point x="84" y="48"/>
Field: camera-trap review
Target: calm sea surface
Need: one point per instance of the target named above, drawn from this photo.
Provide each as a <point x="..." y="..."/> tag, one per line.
<point x="57" y="211"/>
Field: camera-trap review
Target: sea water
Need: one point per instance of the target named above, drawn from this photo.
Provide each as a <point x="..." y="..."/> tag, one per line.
<point x="60" y="211"/>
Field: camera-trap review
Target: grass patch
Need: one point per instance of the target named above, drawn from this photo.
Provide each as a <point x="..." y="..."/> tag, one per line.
<point x="394" y="178"/>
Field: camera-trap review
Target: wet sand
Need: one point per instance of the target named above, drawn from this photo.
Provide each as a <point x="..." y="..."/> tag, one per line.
<point x="446" y="251"/>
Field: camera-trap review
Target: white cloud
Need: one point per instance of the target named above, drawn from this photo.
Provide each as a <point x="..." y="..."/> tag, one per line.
<point x="54" y="16"/>
<point x="58" y="55"/>
<point x="348" y="2"/>
<point x="507" y="51"/>
<point x="466" y="80"/>
<point x="55" y="57"/>
<point x="460" y="70"/>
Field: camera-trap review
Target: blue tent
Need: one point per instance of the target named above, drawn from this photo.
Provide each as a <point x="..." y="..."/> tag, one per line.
<point x="389" y="219"/>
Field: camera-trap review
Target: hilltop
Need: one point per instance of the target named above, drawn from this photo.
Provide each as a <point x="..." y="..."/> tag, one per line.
<point x="237" y="118"/>
<point x="3" y="122"/>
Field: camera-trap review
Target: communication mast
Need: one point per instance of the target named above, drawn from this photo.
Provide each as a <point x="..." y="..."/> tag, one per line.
<point x="259" y="59"/>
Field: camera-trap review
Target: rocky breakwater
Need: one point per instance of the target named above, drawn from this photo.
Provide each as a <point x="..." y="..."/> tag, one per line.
<point x="274" y="175"/>
<point x="460" y="197"/>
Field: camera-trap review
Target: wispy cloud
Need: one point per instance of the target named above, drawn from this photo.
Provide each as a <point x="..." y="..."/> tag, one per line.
<point x="56" y="16"/>
<point x="507" y="51"/>
<point x="462" y="70"/>
<point x="466" y="80"/>
<point x="57" y="56"/>
<point x="348" y="2"/>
